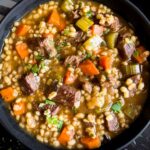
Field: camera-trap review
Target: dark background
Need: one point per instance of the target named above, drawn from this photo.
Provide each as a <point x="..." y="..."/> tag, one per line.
<point x="8" y="142"/>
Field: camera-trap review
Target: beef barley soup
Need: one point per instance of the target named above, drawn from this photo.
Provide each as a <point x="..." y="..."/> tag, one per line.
<point x="73" y="73"/>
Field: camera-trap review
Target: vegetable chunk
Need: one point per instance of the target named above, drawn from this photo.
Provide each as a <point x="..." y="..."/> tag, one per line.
<point x="7" y="94"/>
<point x="91" y="143"/>
<point x="57" y="20"/>
<point x="88" y="68"/>
<point x="65" y="136"/>
<point x="84" y="23"/>
<point x="19" y="108"/>
<point x="22" y="50"/>
<point x="22" y="30"/>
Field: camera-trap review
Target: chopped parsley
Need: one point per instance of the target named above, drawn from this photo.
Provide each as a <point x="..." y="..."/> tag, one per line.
<point x="89" y="14"/>
<point x="61" y="45"/>
<point x="50" y="102"/>
<point x="68" y="65"/>
<point x="66" y="32"/>
<point x="88" y="56"/>
<point x="39" y="57"/>
<point x="35" y="69"/>
<point x="54" y="121"/>
<point x="116" y="107"/>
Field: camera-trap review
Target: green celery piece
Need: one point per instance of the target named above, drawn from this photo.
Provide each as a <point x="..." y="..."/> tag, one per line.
<point x="93" y="42"/>
<point x="84" y="23"/>
<point x="66" y="5"/>
<point x="116" y="107"/>
<point x="111" y="39"/>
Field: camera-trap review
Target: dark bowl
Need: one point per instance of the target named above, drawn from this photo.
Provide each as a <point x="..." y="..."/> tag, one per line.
<point x="142" y="27"/>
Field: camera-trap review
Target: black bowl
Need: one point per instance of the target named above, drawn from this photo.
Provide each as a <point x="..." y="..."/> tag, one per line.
<point x="142" y="27"/>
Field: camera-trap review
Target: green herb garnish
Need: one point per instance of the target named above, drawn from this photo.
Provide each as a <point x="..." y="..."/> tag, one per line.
<point x="88" y="56"/>
<point x="35" y="69"/>
<point x="66" y="32"/>
<point x="61" y="45"/>
<point x="68" y="65"/>
<point x="116" y="107"/>
<point x="55" y="121"/>
<point x="50" y="102"/>
<point x="39" y="57"/>
<point x="89" y="14"/>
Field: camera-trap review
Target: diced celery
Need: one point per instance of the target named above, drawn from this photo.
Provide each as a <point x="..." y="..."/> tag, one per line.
<point x="84" y="23"/>
<point x="93" y="43"/>
<point x="111" y="39"/>
<point x="66" y="5"/>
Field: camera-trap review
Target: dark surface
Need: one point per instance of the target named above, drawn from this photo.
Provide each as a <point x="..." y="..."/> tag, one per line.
<point x="7" y="142"/>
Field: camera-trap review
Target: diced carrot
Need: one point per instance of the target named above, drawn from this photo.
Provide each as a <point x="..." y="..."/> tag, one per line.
<point x="22" y="50"/>
<point x="106" y="62"/>
<point x="69" y="77"/>
<point x="22" y="30"/>
<point x="45" y="35"/>
<point x="7" y="94"/>
<point x="91" y="143"/>
<point x="97" y="30"/>
<point x="57" y="20"/>
<point x="19" y="108"/>
<point x="65" y="136"/>
<point x="88" y="68"/>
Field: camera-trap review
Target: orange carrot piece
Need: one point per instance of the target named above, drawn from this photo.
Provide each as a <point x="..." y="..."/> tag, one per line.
<point x="22" y="30"/>
<point x="19" y="108"/>
<point x="91" y="143"/>
<point x="106" y="62"/>
<point x="7" y="94"/>
<point x="57" y="20"/>
<point x="88" y="68"/>
<point x="97" y="30"/>
<point x="65" y="136"/>
<point x="22" y="50"/>
<point x="69" y="77"/>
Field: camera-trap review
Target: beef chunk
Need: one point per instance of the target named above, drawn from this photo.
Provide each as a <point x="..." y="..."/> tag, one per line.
<point x="53" y="108"/>
<point x="87" y="87"/>
<point x="68" y="96"/>
<point x="73" y="60"/>
<point x="29" y="83"/>
<point x="47" y="46"/>
<point x="112" y="123"/>
<point x="126" y="49"/>
<point x="116" y="25"/>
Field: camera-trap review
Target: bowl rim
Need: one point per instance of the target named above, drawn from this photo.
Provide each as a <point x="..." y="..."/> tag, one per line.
<point x="16" y="131"/>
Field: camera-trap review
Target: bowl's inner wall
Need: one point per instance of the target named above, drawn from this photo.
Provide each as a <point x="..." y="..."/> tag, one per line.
<point x="142" y="28"/>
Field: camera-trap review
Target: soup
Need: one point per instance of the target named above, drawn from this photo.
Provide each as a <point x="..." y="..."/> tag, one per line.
<point x="73" y="74"/>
